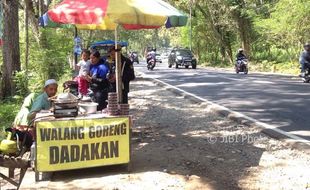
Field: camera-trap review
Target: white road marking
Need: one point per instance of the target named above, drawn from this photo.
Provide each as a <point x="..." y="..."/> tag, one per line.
<point x="264" y="125"/>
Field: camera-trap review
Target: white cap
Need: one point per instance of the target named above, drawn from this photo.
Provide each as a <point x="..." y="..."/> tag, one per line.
<point x="50" y="81"/>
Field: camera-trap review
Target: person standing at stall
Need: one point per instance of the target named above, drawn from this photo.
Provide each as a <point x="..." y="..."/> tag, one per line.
<point x="127" y="73"/>
<point x="97" y="77"/>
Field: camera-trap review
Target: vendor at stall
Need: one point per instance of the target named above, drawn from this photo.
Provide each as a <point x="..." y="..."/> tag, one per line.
<point x="42" y="102"/>
<point x="99" y="83"/>
<point x="127" y="73"/>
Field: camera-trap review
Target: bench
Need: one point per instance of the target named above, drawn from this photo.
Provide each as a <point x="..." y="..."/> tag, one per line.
<point x="12" y="163"/>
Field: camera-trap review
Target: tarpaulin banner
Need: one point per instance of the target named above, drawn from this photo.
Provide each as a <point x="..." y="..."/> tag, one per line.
<point x="73" y="144"/>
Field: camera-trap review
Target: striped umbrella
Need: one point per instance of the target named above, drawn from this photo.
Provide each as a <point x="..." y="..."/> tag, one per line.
<point x="107" y="14"/>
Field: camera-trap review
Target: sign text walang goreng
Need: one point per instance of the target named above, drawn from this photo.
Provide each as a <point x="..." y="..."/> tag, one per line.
<point x="72" y="144"/>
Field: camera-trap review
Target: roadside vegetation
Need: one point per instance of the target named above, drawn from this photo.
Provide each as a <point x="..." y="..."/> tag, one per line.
<point x="272" y="33"/>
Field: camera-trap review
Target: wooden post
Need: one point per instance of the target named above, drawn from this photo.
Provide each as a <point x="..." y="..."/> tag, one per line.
<point x="118" y="71"/>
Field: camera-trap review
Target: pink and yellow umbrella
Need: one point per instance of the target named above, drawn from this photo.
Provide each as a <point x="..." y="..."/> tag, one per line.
<point x="107" y="14"/>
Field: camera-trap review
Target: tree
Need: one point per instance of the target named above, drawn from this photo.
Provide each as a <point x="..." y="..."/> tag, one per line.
<point x="11" y="51"/>
<point x="244" y="24"/>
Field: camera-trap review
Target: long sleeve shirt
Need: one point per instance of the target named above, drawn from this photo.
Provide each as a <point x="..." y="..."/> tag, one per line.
<point x="99" y="72"/>
<point x="304" y="57"/>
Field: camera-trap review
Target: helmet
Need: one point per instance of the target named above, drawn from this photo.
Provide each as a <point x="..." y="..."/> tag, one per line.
<point x="307" y="45"/>
<point x="240" y="50"/>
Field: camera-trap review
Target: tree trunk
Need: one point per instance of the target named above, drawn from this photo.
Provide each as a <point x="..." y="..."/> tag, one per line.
<point x="26" y="36"/>
<point x="11" y="51"/>
<point x="218" y="33"/>
<point x="33" y="21"/>
<point x="244" y="28"/>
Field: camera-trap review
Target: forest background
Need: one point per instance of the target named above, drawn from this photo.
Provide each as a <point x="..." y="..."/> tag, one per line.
<point x="272" y="33"/>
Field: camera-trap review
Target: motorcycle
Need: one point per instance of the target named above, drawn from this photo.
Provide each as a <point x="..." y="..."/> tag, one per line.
<point x="151" y="64"/>
<point x="306" y="77"/>
<point x="242" y="66"/>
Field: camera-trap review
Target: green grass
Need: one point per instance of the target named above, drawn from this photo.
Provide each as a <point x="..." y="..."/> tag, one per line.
<point x="8" y="111"/>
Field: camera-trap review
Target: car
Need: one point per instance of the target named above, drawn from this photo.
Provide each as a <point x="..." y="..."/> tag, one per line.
<point x="182" y="57"/>
<point x="164" y="55"/>
<point x="158" y="58"/>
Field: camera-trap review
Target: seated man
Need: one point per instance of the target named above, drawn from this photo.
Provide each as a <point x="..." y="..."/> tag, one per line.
<point x="21" y="119"/>
<point x="42" y="102"/>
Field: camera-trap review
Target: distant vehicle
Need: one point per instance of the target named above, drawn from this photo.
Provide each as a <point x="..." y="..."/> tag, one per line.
<point x="158" y="58"/>
<point x="182" y="57"/>
<point x="242" y="66"/>
<point x="164" y="55"/>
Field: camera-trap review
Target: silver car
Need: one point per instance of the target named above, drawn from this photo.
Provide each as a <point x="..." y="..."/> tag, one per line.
<point x="158" y="58"/>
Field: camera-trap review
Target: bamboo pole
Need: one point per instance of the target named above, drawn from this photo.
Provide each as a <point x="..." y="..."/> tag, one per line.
<point x="118" y="70"/>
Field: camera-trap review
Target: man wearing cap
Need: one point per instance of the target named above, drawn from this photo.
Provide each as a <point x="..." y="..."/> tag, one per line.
<point x="127" y="73"/>
<point x="42" y="102"/>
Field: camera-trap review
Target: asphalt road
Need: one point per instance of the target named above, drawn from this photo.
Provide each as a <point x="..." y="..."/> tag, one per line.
<point x="282" y="101"/>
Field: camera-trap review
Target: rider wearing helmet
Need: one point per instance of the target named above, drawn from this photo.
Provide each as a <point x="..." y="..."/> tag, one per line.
<point x="304" y="59"/>
<point x="240" y="54"/>
<point x="151" y="55"/>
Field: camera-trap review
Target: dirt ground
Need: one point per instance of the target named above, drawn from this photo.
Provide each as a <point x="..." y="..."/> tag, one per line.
<point x="179" y="145"/>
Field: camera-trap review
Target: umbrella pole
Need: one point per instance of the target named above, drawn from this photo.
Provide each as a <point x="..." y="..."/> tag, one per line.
<point x="118" y="71"/>
<point x="75" y="54"/>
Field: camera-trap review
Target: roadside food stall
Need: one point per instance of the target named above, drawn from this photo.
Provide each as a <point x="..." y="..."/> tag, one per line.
<point x="97" y="139"/>
<point x="66" y="141"/>
<point x="94" y="139"/>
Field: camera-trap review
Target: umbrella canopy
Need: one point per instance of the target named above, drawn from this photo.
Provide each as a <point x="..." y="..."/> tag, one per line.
<point x="107" y="14"/>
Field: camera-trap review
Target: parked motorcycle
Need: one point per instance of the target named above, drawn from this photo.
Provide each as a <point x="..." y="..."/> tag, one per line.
<point x="242" y="66"/>
<point x="151" y="64"/>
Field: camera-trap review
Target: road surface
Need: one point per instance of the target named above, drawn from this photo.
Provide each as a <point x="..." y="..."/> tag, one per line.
<point x="281" y="101"/>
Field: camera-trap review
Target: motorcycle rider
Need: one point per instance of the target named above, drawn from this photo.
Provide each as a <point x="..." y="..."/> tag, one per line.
<point x="304" y="59"/>
<point x="151" y="55"/>
<point x="240" y="56"/>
